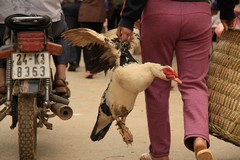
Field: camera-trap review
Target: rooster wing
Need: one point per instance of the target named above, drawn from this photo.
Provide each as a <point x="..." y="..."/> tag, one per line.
<point x="107" y="51"/>
<point x="104" y="53"/>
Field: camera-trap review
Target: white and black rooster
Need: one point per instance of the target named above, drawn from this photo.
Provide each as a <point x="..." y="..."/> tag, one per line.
<point x="128" y="79"/>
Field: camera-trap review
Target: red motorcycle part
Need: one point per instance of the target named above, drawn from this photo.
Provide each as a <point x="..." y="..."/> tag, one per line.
<point x="54" y="49"/>
<point x="30" y="41"/>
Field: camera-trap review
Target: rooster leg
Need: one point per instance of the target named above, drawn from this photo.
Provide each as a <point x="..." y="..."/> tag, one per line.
<point x="124" y="131"/>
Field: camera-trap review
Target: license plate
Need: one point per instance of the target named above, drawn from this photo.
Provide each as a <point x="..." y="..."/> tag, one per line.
<point x="30" y="65"/>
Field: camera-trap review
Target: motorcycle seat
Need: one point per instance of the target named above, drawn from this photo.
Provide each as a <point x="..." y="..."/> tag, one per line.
<point x="28" y="22"/>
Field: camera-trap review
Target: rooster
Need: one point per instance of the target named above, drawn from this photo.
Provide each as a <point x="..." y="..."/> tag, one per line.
<point x="128" y="79"/>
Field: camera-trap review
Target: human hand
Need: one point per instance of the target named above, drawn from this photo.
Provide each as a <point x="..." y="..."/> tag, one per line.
<point x="124" y="34"/>
<point x="137" y="24"/>
<point x="237" y="10"/>
<point x="228" y="23"/>
<point x="105" y="24"/>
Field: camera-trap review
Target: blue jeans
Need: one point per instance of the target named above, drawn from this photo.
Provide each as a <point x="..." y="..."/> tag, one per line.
<point x="63" y="58"/>
<point x="70" y="11"/>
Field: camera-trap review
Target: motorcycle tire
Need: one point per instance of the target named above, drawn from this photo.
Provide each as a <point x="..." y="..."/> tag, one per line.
<point x="27" y="126"/>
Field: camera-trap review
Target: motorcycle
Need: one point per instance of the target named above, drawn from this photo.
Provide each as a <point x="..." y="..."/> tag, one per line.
<point x="30" y="99"/>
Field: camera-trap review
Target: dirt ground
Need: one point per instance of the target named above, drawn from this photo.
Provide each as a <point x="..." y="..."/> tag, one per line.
<point x="69" y="140"/>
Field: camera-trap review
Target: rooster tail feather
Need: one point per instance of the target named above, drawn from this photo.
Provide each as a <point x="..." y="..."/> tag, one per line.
<point x="103" y="122"/>
<point x="101" y="134"/>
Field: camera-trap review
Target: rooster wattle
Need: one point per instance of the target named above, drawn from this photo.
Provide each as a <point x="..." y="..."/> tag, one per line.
<point x="128" y="79"/>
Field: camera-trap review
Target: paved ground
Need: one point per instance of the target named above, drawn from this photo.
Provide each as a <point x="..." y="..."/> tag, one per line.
<point x="69" y="140"/>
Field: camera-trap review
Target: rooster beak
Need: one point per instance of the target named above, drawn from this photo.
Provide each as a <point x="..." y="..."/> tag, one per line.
<point x="177" y="80"/>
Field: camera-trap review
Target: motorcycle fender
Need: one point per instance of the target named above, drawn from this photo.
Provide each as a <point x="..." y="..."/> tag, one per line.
<point x="29" y="86"/>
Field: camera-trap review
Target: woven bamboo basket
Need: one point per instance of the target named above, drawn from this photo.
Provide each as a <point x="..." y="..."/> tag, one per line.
<point x="223" y="80"/>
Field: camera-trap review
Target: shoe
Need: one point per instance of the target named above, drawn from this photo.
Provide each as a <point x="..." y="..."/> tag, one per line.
<point x="88" y="75"/>
<point x="204" y="154"/>
<point x="60" y="87"/>
<point x="145" y="156"/>
<point x="72" y="67"/>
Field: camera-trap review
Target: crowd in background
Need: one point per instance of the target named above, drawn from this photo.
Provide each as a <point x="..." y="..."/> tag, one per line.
<point x="98" y="15"/>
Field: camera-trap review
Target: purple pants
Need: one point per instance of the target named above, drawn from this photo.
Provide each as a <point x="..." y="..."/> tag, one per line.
<point x="183" y="28"/>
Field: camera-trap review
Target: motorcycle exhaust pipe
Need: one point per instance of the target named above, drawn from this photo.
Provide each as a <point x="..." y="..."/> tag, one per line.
<point x="64" y="112"/>
<point x="59" y="99"/>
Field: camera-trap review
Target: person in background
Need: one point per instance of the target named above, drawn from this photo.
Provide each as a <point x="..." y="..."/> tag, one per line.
<point x="92" y="15"/>
<point x="70" y="9"/>
<point x="54" y="10"/>
<point x="228" y="15"/>
<point x="216" y="22"/>
<point x="113" y="21"/>
<point x="168" y="27"/>
<point x="228" y="12"/>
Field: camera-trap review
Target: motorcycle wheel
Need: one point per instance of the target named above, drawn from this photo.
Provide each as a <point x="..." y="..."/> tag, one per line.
<point x="27" y="127"/>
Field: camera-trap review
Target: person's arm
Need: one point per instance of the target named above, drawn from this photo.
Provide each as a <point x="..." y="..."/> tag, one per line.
<point x="132" y="10"/>
<point x="227" y="14"/>
<point x="226" y="9"/>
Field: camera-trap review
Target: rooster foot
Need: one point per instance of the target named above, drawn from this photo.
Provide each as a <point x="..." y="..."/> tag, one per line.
<point x="125" y="133"/>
